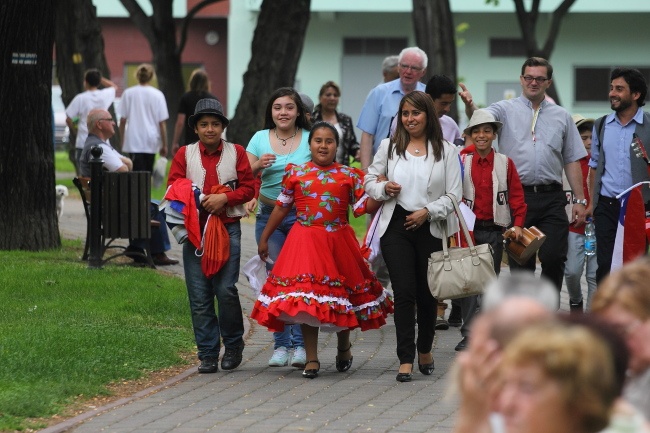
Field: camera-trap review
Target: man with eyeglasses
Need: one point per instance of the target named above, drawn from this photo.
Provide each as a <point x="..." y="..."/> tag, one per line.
<point x="383" y="101"/>
<point x="101" y="127"/>
<point x="542" y="140"/>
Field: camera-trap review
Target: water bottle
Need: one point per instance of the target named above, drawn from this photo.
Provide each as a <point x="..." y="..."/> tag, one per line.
<point x="590" y="238"/>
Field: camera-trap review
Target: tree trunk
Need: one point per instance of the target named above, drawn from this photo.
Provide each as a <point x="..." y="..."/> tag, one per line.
<point x="277" y="45"/>
<point x="160" y="31"/>
<point x="434" y="33"/>
<point x="79" y="46"/>
<point x="28" y="204"/>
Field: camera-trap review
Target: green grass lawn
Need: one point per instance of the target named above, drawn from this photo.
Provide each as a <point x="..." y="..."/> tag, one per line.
<point x="67" y="331"/>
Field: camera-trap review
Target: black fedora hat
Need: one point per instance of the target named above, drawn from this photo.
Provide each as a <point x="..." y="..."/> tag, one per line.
<point x="207" y="106"/>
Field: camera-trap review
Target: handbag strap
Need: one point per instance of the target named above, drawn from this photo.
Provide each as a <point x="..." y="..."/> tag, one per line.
<point x="463" y="225"/>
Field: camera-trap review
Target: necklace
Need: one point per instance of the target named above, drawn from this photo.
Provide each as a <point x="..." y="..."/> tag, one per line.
<point x="283" y="141"/>
<point x="417" y="150"/>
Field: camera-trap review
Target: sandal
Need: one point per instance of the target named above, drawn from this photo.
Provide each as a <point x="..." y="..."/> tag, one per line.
<point x="344" y="365"/>
<point x="311" y="373"/>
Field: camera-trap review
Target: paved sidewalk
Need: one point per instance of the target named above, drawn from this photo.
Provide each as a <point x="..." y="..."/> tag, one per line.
<point x="258" y="398"/>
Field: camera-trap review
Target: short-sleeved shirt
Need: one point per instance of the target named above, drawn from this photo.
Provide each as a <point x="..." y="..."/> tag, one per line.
<point x="272" y="176"/>
<point x="82" y="104"/>
<point x="379" y="109"/>
<point x="111" y="157"/>
<point x="144" y="107"/>
<point x="539" y="146"/>
<point x="186" y="107"/>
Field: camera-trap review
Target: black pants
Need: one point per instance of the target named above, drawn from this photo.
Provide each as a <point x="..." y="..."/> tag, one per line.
<point x="406" y="253"/>
<point x="546" y="212"/>
<point x="143" y="161"/>
<point x="606" y="221"/>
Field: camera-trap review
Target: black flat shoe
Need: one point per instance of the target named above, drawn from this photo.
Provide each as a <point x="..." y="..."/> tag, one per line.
<point x="311" y="373"/>
<point x="344" y="365"/>
<point x="404" y="377"/>
<point x="426" y="369"/>
<point x="232" y="357"/>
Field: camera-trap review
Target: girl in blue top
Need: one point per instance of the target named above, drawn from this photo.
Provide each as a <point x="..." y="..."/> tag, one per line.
<point x="282" y="141"/>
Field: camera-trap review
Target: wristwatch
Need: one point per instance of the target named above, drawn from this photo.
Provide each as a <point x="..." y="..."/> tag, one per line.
<point x="582" y="202"/>
<point x="429" y="216"/>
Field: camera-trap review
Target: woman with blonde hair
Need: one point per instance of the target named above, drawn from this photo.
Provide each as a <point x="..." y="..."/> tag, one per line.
<point x="623" y="300"/>
<point x="557" y="378"/>
<point x="143" y="128"/>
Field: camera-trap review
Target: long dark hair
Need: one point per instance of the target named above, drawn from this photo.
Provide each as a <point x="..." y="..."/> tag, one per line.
<point x="423" y="102"/>
<point x="301" y="120"/>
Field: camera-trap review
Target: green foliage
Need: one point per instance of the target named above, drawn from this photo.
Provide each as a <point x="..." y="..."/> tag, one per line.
<point x="460" y="29"/>
<point x="68" y="331"/>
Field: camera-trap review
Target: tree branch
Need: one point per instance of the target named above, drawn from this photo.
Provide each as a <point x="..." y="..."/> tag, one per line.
<point x="139" y="18"/>
<point x="185" y="23"/>
<point x="528" y="26"/>
<point x="556" y="21"/>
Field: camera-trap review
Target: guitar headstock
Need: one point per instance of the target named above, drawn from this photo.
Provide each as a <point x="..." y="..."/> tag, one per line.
<point x="639" y="149"/>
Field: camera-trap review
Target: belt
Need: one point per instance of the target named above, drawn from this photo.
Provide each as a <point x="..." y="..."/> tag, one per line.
<point x="486" y="225"/>
<point x="543" y="188"/>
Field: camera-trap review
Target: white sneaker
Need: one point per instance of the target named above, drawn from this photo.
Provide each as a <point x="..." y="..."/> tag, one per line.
<point x="299" y="358"/>
<point x="280" y="357"/>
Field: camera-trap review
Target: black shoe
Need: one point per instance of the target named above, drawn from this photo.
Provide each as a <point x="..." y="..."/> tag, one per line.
<point x="455" y="318"/>
<point x="441" y="324"/>
<point x="344" y="365"/>
<point x="462" y="345"/>
<point x="576" y="307"/>
<point x="137" y="254"/>
<point x="311" y="373"/>
<point x="404" y="377"/>
<point x="426" y="369"/>
<point x="209" y="364"/>
<point x="232" y="358"/>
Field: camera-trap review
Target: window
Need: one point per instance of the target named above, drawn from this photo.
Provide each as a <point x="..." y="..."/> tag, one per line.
<point x="592" y="83"/>
<point x="379" y="46"/>
<point x="507" y="47"/>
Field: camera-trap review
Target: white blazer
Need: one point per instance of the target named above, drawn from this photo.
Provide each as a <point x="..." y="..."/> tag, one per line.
<point x="445" y="172"/>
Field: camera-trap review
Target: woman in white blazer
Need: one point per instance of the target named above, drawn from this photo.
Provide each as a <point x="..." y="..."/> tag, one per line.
<point x="421" y="168"/>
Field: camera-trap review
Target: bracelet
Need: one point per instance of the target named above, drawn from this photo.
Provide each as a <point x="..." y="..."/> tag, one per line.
<point x="582" y="202"/>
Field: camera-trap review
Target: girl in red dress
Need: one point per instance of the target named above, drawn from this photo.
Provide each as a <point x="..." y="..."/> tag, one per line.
<point x="320" y="279"/>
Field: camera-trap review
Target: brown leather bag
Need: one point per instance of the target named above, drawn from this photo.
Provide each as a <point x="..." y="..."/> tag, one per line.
<point x="522" y="251"/>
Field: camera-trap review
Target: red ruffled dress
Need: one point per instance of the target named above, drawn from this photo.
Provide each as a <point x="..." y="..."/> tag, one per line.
<point x="320" y="277"/>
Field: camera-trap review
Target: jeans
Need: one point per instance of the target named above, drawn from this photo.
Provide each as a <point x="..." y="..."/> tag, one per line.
<point x="159" y="242"/>
<point x="575" y="264"/>
<point x="292" y="335"/>
<point x="228" y="323"/>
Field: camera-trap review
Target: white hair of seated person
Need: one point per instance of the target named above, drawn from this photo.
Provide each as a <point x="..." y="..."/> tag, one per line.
<point x="520" y="284"/>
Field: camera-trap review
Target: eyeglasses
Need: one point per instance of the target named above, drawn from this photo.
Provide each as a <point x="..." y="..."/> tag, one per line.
<point x="538" y="80"/>
<point x="411" y="67"/>
<point x="109" y="119"/>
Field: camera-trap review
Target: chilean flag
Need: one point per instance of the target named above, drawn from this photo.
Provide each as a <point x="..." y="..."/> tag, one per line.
<point x="630" y="240"/>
